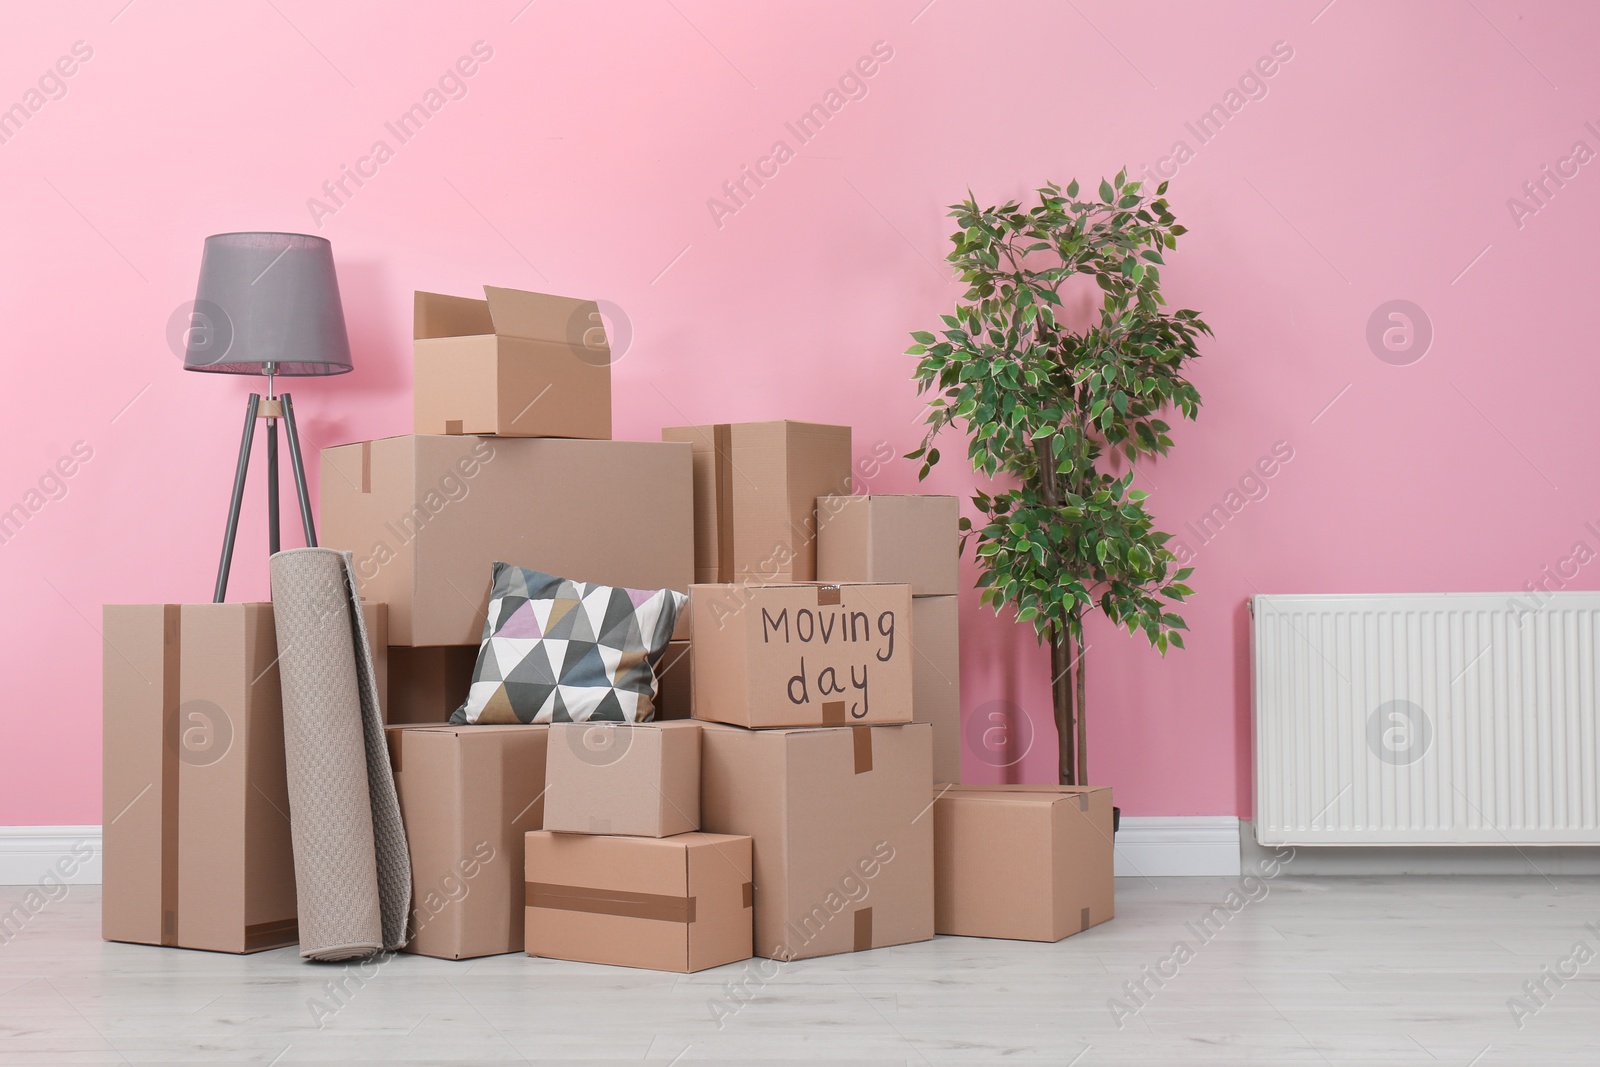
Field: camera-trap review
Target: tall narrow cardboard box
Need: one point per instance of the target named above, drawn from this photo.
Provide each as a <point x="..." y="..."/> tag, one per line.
<point x="936" y="679"/>
<point x="196" y="808"/>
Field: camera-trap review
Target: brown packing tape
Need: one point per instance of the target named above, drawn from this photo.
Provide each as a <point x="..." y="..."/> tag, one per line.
<point x="656" y="906"/>
<point x="749" y="890"/>
<point x="366" y="466"/>
<point x="1083" y="920"/>
<point x="170" y="729"/>
<point x="722" y="463"/>
<point x="452" y="427"/>
<point x="1083" y="801"/>
<point x="271" y="935"/>
<point x="833" y="713"/>
<point x="827" y="594"/>
<point x="863" y="938"/>
<point x="862" y="736"/>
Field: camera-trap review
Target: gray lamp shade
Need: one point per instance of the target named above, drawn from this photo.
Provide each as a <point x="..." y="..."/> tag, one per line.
<point x="268" y="298"/>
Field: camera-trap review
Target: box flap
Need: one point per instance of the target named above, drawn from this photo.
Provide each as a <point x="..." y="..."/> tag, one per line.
<point x="542" y="317"/>
<point x="437" y="315"/>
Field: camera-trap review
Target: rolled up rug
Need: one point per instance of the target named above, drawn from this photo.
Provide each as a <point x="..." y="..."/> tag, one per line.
<point x="352" y="870"/>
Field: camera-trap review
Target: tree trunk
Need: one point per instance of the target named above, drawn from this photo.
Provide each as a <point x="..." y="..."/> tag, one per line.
<point x="1067" y="760"/>
<point x="1082" y="747"/>
<point x="1061" y="697"/>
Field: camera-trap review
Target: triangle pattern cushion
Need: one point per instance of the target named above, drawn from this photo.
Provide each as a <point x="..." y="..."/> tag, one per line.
<point x="559" y="650"/>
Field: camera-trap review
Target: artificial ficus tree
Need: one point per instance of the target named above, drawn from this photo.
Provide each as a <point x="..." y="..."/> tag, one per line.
<point x="1063" y="416"/>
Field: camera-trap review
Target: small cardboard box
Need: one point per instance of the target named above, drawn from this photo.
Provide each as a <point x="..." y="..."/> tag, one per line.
<point x="802" y="655"/>
<point x="468" y="795"/>
<point x="907" y="540"/>
<point x="631" y="779"/>
<point x="426" y="685"/>
<point x="675" y="681"/>
<point x="678" y="903"/>
<point x="755" y="496"/>
<point x="195" y="796"/>
<point x="936" y="679"/>
<point x="1027" y="862"/>
<point x="427" y="517"/>
<point x="515" y="364"/>
<point x="844" y="837"/>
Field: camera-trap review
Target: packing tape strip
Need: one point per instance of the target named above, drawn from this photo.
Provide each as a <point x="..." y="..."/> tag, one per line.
<point x="749" y="892"/>
<point x="827" y="594"/>
<point x="863" y="932"/>
<point x="657" y="906"/>
<point x="1083" y="920"/>
<point x="862" y="738"/>
<point x="171" y="728"/>
<point x="833" y="713"/>
<point x="722" y="466"/>
<point x="366" y="466"/>
<point x="452" y="427"/>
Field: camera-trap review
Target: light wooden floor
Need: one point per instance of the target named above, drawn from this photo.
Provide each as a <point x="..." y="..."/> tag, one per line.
<point x="1318" y="971"/>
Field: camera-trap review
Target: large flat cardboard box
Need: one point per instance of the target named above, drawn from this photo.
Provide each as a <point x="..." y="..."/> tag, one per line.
<point x="468" y="795"/>
<point x="195" y="798"/>
<point x="675" y="680"/>
<point x="632" y="779"/>
<point x="1027" y="862"/>
<point x="678" y="903"/>
<point x="755" y="496"/>
<point x="426" y="685"/>
<point x="427" y="518"/>
<point x="936" y="679"/>
<point x="802" y="655"/>
<point x="842" y="827"/>
<point x="907" y="540"/>
<point x="515" y="364"/>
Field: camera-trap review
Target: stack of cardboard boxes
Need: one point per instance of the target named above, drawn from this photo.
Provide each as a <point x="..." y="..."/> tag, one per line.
<point x="797" y="816"/>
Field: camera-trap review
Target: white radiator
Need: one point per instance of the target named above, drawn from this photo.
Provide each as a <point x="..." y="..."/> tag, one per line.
<point x="1450" y="718"/>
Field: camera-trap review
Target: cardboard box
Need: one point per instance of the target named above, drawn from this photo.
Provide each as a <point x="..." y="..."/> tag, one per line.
<point x="670" y="904"/>
<point x="195" y="799"/>
<point x="842" y="828"/>
<point x="936" y="679"/>
<point x="631" y="779"/>
<point x="755" y="496"/>
<point x="906" y="540"/>
<point x="427" y="517"/>
<point x="469" y="795"/>
<point x="675" y="680"/>
<point x="802" y="655"/>
<point x="515" y="364"/>
<point x="1028" y="862"/>
<point x="426" y="685"/>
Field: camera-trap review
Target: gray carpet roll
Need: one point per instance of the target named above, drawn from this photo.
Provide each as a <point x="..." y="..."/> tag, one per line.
<point x="352" y="871"/>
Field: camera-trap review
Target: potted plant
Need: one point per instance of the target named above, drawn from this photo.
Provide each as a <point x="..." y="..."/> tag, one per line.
<point x="1062" y="416"/>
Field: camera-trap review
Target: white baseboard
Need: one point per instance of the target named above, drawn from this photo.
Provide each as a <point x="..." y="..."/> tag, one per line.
<point x="1154" y="847"/>
<point x="1178" y="846"/>
<point x="68" y="853"/>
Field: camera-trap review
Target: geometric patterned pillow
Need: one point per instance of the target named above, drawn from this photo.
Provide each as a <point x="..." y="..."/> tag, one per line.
<point x="556" y="650"/>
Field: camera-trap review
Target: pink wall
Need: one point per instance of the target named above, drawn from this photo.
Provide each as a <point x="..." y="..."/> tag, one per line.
<point x="1377" y="167"/>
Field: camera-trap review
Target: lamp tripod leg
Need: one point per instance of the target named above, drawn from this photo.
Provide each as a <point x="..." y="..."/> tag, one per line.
<point x="272" y="486"/>
<point x="293" y="436"/>
<point x="238" y="497"/>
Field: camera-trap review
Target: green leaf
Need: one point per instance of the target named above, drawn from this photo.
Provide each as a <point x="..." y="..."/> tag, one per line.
<point x="1106" y="193"/>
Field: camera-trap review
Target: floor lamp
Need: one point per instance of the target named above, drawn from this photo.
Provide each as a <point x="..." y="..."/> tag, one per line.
<point x="268" y="304"/>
